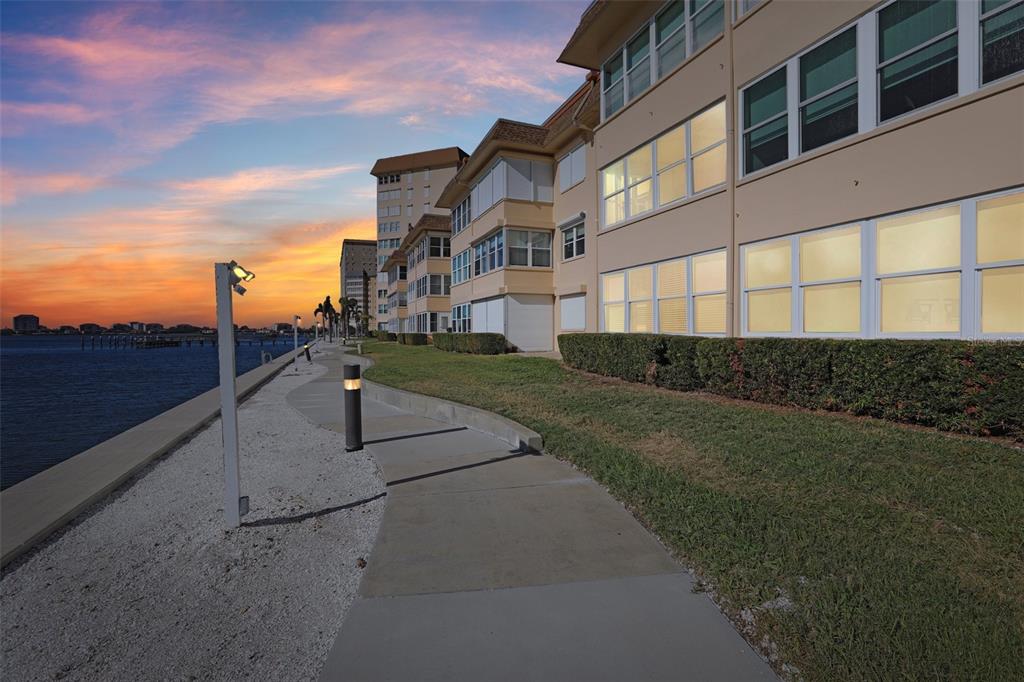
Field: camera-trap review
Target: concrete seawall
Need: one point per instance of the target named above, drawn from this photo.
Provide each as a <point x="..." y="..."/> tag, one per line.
<point x="36" y="507"/>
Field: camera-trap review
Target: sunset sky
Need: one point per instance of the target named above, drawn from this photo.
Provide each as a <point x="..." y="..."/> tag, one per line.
<point x="144" y="141"/>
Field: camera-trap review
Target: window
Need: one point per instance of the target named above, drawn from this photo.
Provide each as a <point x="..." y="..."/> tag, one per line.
<point x="708" y="20"/>
<point x="440" y="285"/>
<point x="1002" y="39"/>
<point x="917" y="55"/>
<point x="489" y="254"/>
<point x="408" y="211"/>
<point x="461" y="216"/>
<point x="529" y="249"/>
<point x="394" y="210"/>
<point x="638" y="63"/>
<point x="462" y="320"/>
<point x="573" y="244"/>
<point x="744" y="6"/>
<point x="697" y="145"/>
<point x="460" y="267"/>
<point x="765" y="137"/>
<point x="426" y="192"/>
<point x="670" y="36"/>
<point x="828" y="91"/>
<point x="631" y="70"/>
<point x="440" y="247"/>
<point x="571" y="169"/>
<point x="660" y="297"/>
<point x="902" y="275"/>
<point x="408" y="193"/>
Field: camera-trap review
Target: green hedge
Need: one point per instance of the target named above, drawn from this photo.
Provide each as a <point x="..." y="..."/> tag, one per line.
<point x="383" y="335"/>
<point x="413" y="339"/>
<point x="965" y="386"/>
<point x="478" y="342"/>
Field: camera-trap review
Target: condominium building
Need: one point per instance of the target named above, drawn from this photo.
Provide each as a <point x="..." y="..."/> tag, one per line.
<point x="782" y="167"/>
<point x="359" y="257"/>
<point x="397" y="293"/>
<point x="408" y="187"/>
<point x="428" y="260"/>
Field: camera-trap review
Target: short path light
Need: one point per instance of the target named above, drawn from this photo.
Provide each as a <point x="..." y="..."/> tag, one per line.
<point x="353" y="409"/>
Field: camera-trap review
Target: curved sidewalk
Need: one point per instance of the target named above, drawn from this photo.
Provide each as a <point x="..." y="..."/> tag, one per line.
<point x="498" y="564"/>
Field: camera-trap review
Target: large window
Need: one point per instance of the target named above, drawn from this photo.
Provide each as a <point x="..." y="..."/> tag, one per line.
<point x="461" y="215"/>
<point x="686" y="160"/>
<point x="1002" y="38"/>
<point x="427" y="323"/>
<point x="511" y="178"/>
<point x="528" y="248"/>
<point x="460" y="267"/>
<point x="765" y="125"/>
<point x="572" y="168"/>
<point x="462" y="320"/>
<point x="440" y="285"/>
<point x="682" y="28"/>
<point x="660" y="297"/>
<point x="907" y="275"/>
<point x="573" y="243"/>
<point x="440" y="247"/>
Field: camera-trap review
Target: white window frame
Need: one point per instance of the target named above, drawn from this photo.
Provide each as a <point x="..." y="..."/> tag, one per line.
<point x="969" y="269"/>
<point x="656" y="316"/>
<point x="969" y="65"/>
<point x="579" y="237"/>
<point x="462" y="318"/>
<point x="688" y="157"/>
<point x="688" y="21"/>
<point x="569" y="158"/>
<point x="529" y="247"/>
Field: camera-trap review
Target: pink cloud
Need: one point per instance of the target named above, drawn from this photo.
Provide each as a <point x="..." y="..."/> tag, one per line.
<point x="245" y="183"/>
<point x="15" y="186"/>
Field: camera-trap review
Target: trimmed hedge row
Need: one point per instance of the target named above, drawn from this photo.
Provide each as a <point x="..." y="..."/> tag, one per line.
<point x="383" y="335"/>
<point x="480" y="343"/>
<point x="413" y="338"/>
<point x="966" y="386"/>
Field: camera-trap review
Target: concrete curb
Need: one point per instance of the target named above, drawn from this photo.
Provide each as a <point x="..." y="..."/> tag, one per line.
<point x="503" y="429"/>
<point x="36" y="507"/>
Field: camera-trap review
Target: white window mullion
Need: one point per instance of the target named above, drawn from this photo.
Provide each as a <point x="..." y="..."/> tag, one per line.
<point x="792" y="107"/>
<point x="689" y="296"/>
<point x="869" y="303"/>
<point x="652" y="52"/>
<point x="867" y="92"/>
<point x="796" y="325"/>
<point x="687" y="155"/>
<point x="968" y="18"/>
<point x="970" y="300"/>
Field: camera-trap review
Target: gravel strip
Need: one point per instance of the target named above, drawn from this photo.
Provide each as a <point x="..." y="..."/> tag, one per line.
<point x="151" y="585"/>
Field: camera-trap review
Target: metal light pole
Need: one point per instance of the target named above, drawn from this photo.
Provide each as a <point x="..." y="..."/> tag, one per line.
<point x="226" y="277"/>
<point x="295" y="341"/>
<point x="353" y="409"/>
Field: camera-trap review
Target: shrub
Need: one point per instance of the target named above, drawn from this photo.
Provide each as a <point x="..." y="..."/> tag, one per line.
<point x="479" y="343"/>
<point x="413" y="339"/>
<point x="966" y="386"/>
<point x="383" y="335"/>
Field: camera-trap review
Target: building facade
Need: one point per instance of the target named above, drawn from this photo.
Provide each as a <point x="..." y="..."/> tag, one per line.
<point x="408" y="187"/>
<point x="782" y="167"/>
<point x="26" y="323"/>
<point x="359" y="256"/>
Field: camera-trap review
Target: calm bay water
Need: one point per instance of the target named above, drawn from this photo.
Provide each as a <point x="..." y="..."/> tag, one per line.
<point x="57" y="400"/>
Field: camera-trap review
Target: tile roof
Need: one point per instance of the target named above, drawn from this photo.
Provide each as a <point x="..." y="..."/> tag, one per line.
<point x="433" y="158"/>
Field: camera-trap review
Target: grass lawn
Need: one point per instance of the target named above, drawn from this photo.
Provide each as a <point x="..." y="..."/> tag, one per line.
<point x="863" y="550"/>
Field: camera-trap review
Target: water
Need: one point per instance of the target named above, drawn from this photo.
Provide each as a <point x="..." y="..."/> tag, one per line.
<point x="57" y="400"/>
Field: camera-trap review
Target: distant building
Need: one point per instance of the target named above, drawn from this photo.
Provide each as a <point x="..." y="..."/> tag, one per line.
<point x="408" y="186"/>
<point x="120" y="327"/>
<point x="154" y="327"/>
<point x="137" y="326"/>
<point x="90" y="328"/>
<point x="68" y="329"/>
<point x="283" y="326"/>
<point x="26" y="323"/>
<point x="359" y="256"/>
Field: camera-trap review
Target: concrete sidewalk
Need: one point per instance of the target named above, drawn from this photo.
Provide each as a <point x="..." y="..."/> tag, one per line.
<point x="493" y="564"/>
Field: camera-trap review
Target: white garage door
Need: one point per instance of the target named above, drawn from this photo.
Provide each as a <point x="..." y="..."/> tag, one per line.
<point x="573" y="312"/>
<point x="530" y="321"/>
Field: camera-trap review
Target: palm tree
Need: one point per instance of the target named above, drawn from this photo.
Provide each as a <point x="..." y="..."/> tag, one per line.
<point x="349" y="309"/>
<point x="331" y="314"/>
<point x="319" y="311"/>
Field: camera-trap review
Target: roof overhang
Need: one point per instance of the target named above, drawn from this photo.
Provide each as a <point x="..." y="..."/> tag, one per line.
<point x="603" y="25"/>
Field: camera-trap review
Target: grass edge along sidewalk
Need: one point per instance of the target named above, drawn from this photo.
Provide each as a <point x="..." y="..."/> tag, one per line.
<point x="846" y="548"/>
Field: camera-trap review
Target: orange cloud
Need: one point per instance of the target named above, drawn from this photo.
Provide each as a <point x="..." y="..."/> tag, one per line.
<point x="296" y="266"/>
<point x="251" y="181"/>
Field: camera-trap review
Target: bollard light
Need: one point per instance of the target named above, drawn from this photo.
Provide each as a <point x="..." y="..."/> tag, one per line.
<point x="305" y="347"/>
<point x="353" y="409"/>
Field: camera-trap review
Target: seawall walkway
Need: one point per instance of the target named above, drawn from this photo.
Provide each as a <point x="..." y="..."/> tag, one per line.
<point x="496" y="563"/>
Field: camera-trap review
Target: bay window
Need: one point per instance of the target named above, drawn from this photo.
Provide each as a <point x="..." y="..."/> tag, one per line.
<point x="529" y="249"/>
